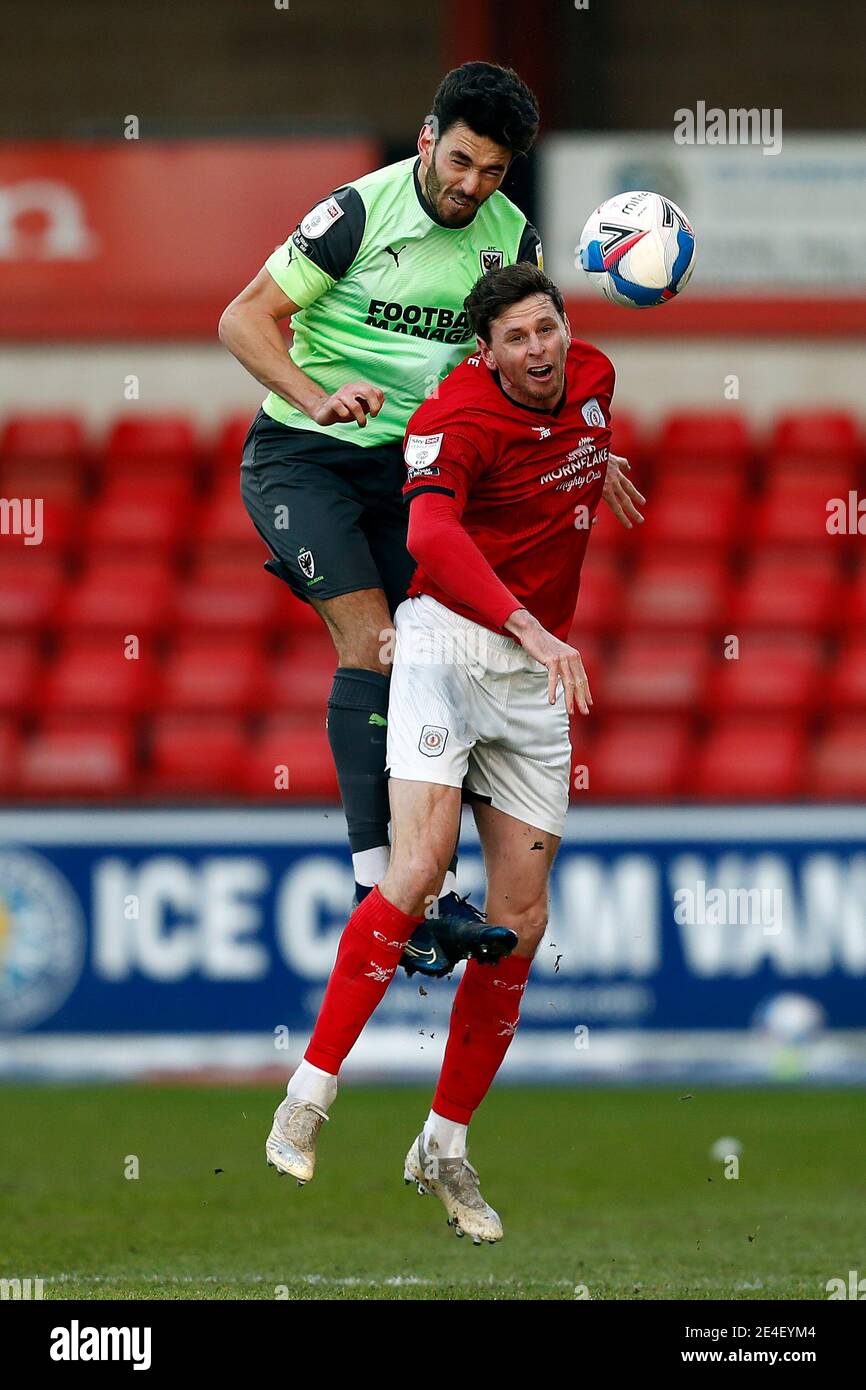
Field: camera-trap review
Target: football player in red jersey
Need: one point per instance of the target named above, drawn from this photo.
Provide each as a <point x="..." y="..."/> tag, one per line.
<point x="506" y="468"/>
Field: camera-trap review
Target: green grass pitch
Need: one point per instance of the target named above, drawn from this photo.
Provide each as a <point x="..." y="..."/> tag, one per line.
<point x="608" y="1190"/>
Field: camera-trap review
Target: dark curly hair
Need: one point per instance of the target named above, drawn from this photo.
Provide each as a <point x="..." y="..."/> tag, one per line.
<point x="492" y="101"/>
<point x="499" y="289"/>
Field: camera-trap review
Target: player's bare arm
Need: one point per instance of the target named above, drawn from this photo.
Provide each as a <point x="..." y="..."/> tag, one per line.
<point x="250" y="329"/>
<point x="563" y="662"/>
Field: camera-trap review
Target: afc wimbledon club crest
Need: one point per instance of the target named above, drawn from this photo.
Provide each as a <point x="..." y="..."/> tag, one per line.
<point x="41" y="939"/>
<point x="491" y="259"/>
<point x="306" y="562"/>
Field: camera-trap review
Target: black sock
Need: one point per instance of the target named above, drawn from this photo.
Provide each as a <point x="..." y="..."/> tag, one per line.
<point x="357" y="732"/>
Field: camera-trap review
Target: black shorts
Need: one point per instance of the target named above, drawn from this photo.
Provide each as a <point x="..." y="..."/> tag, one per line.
<point x="331" y="514"/>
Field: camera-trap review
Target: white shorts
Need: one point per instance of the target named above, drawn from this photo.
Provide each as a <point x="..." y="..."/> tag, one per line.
<point x="467" y="704"/>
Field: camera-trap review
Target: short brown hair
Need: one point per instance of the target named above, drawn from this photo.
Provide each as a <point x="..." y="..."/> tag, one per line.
<point x="499" y="289"/>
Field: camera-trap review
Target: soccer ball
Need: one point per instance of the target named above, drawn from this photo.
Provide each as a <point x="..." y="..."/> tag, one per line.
<point x="638" y="249"/>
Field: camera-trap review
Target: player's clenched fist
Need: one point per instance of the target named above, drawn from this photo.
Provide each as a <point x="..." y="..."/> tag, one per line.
<point x="354" y="401"/>
<point x="562" y="661"/>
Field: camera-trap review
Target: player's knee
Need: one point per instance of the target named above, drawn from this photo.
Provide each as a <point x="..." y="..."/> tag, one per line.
<point x="413" y="881"/>
<point x="531" y="929"/>
<point x="365" y="649"/>
<point x="424" y="871"/>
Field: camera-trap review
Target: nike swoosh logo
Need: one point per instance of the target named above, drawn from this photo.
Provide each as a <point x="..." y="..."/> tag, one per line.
<point x="378" y="719"/>
<point x="429" y="955"/>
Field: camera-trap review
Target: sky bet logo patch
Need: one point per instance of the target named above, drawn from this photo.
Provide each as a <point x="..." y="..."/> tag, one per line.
<point x="323" y="216"/>
<point x="421" y="450"/>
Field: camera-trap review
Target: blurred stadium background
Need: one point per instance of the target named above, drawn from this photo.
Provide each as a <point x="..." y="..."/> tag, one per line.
<point x="167" y="903"/>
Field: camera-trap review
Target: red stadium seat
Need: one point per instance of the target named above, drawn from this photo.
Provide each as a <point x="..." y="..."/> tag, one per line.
<point x="76" y="758"/>
<point x="37" y="522"/>
<point x="703" y="435"/>
<point x="152" y="439"/>
<point x="818" y="433"/>
<point x="175" y="488"/>
<point x="225" y="526"/>
<point x="787" y="592"/>
<point x="135" y="515"/>
<point x="297" y="752"/>
<point x="638" y="757"/>
<point x="600" y="600"/>
<point x="10" y="753"/>
<point x="699" y="515"/>
<point x="155" y="447"/>
<point x="847" y="687"/>
<point x="196" y="755"/>
<point x="300" y="677"/>
<point x="31" y="584"/>
<point x="93" y="674"/>
<point x="834" y="475"/>
<point x="772" y="672"/>
<point x="20" y="660"/>
<point x="225" y="675"/>
<point x="855" y="600"/>
<point x="56" y="480"/>
<point x="229" y="443"/>
<point x="626" y="439"/>
<point x="132" y="597"/>
<point x="608" y="535"/>
<point x="651" y="673"/>
<point x="751" y="758"/>
<point x="227" y="595"/>
<point x="838" y="765"/>
<point x="54" y="436"/>
<point x="726" y="475"/>
<point x="678" y="590"/>
<point x="793" y="512"/>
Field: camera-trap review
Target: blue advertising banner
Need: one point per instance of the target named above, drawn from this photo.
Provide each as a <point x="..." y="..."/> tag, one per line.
<point x="119" y="922"/>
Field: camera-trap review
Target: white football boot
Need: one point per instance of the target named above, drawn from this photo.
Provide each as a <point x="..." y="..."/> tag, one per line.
<point x="455" y="1182"/>
<point x="291" y="1144"/>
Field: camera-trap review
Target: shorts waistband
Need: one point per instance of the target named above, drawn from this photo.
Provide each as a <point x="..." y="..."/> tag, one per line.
<point x="448" y="617"/>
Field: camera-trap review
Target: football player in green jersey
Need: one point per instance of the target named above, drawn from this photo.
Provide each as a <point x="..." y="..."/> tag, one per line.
<point x="373" y="279"/>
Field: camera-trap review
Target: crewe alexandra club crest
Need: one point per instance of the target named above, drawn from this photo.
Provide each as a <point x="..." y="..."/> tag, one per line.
<point x="432" y="741"/>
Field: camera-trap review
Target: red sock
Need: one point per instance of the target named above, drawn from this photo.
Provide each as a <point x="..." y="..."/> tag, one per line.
<point x="483" y="1021"/>
<point x="369" y="952"/>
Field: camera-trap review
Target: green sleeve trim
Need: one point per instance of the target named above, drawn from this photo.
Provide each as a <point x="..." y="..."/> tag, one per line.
<point x="299" y="279"/>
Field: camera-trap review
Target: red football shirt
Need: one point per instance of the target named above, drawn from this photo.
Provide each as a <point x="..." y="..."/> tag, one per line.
<point x="526" y="483"/>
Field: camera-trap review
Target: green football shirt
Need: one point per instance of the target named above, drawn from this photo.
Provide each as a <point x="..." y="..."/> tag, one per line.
<point x="380" y="284"/>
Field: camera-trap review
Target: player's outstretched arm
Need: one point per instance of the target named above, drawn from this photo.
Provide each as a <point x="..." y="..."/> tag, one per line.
<point x="250" y="329"/>
<point x="563" y="662"/>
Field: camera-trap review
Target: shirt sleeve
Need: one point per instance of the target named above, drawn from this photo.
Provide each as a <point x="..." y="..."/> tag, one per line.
<point x="441" y="470"/>
<point x="530" y="247"/>
<point x="321" y="249"/>
<point x="444" y="462"/>
<point x="448" y="554"/>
